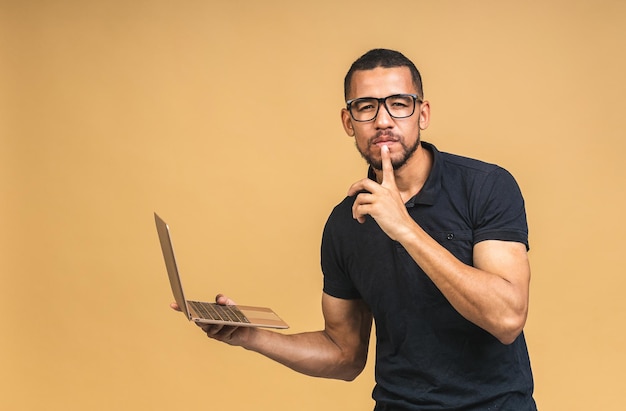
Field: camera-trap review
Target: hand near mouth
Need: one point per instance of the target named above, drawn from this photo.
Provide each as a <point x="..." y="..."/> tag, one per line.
<point x="383" y="201"/>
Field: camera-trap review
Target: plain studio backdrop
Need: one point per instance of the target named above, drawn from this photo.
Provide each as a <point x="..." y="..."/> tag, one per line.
<point x="224" y="118"/>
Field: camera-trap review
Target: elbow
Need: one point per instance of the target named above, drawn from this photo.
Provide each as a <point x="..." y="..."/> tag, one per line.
<point x="351" y="371"/>
<point x="508" y="338"/>
<point x="510" y="328"/>
<point x="350" y="366"/>
<point x="345" y="367"/>
<point x="350" y="378"/>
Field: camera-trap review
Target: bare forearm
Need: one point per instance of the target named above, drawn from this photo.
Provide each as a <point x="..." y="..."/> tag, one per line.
<point x="339" y="351"/>
<point x="496" y="302"/>
<point x="311" y="353"/>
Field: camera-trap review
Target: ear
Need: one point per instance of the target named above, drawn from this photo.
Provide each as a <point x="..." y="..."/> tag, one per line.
<point x="346" y="121"/>
<point x="424" y="113"/>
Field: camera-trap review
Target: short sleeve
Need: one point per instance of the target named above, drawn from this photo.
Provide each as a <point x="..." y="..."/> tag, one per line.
<point x="500" y="210"/>
<point x="335" y="255"/>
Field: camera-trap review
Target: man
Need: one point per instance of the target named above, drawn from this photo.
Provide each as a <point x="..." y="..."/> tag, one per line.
<point x="431" y="246"/>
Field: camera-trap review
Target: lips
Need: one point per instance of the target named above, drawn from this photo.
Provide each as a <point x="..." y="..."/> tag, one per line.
<point x="382" y="139"/>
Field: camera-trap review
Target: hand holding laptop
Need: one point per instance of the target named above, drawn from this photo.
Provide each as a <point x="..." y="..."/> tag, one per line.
<point x="220" y="332"/>
<point x="224" y="312"/>
<point x="221" y="299"/>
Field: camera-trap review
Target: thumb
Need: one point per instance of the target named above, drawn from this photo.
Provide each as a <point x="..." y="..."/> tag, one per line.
<point x="223" y="300"/>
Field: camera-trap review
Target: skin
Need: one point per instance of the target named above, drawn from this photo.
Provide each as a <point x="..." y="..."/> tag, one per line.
<point x="493" y="294"/>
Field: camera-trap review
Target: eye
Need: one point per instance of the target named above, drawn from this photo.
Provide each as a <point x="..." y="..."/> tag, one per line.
<point x="400" y="101"/>
<point x="364" y="105"/>
<point x="399" y="104"/>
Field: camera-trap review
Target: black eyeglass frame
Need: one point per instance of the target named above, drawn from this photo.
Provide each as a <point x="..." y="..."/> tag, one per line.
<point x="382" y="101"/>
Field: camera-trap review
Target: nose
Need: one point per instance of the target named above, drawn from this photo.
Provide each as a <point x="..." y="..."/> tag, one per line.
<point x="383" y="118"/>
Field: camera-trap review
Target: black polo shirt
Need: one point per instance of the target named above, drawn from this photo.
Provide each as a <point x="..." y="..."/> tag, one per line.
<point x="428" y="357"/>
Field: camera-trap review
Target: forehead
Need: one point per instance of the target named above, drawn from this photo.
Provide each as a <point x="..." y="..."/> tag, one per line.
<point x="381" y="82"/>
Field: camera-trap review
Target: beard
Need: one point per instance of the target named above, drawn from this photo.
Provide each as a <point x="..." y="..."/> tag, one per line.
<point x="407" y="151"/>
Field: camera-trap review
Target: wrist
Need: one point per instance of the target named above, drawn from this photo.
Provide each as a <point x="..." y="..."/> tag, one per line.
<point x="408" y="233"/>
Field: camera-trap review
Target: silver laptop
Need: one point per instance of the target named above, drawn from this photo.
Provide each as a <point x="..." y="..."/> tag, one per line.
<point x="211" y="313"/>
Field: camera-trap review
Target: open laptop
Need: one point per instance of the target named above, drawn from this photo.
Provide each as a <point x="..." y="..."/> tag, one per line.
<point x="211" y="313"/>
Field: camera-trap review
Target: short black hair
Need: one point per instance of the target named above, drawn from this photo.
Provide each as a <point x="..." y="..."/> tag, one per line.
<point x="387" y="59"/>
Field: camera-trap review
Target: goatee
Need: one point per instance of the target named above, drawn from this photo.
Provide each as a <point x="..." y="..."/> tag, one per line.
<point x="407" y="153"/>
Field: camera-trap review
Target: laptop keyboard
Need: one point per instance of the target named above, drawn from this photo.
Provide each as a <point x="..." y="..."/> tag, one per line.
<point x="212" y="311"/>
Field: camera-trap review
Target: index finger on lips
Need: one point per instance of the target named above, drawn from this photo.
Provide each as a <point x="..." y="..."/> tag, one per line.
<point x="389" y="179"/>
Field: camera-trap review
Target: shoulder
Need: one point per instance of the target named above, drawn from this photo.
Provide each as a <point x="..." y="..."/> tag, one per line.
<point x="455" y="162"/>
<point x="457" y="169"/>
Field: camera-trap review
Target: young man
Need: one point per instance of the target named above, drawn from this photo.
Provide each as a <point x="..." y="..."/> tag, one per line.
<point x="430" y="245"/>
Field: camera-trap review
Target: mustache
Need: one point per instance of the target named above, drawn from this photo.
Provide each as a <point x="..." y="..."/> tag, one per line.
<point x="384" y="135"/>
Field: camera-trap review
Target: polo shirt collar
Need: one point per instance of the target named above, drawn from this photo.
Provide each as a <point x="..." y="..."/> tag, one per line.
<point x="432" y="186"/>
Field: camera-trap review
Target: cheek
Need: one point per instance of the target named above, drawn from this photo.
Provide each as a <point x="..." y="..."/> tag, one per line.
<point x="410" y="133"/>
<point x="362" y="143"/>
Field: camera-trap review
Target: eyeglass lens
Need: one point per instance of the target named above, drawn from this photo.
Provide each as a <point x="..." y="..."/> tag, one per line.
<point x="398" y="106"/>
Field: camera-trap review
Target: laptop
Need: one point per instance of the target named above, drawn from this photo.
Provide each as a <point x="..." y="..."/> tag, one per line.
<point x="211" y="313"/>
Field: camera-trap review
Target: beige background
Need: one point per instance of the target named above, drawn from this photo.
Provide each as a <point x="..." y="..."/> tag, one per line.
<point x="224" y="118"/>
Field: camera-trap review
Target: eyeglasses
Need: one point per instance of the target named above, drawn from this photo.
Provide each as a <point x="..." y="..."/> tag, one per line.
<point x="398" y="106"/>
